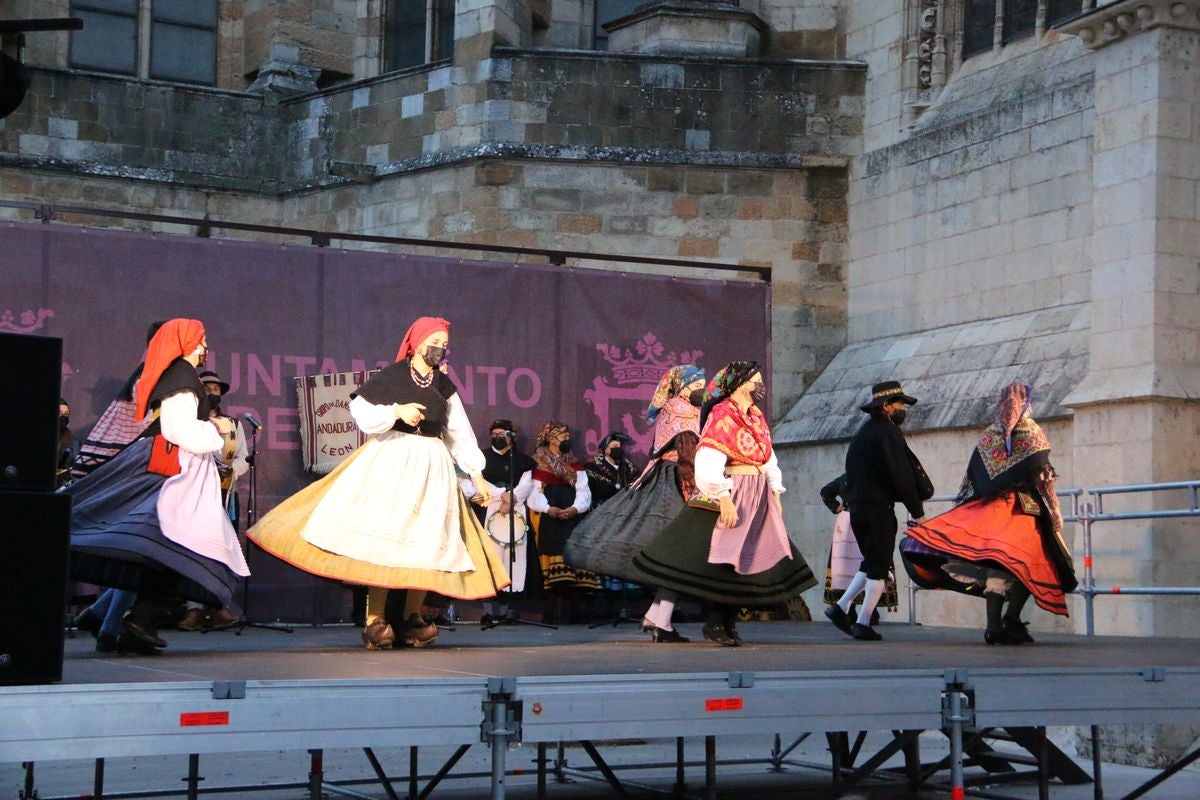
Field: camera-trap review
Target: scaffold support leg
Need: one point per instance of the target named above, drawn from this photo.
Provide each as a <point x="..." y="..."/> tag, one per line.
<point x="193" y="777"/>
<point x="381" y="774"/>
<point x="443" y="772"/>
<point x="98" y="780"/>
<point x="1162" y="776"/>
<point x="710" y="767"/>
<point x="316" y="773"/>
<point x="605" y="770"/>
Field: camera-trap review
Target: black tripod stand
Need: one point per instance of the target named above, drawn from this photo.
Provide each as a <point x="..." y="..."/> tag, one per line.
<point x="510" y="616"/>
<point x="251" y="513"/>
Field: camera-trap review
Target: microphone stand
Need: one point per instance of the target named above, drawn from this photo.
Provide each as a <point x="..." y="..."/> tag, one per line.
<point x="251" y="513"/>
<point x="510" y="616"/>
<point x="623" y="614"/>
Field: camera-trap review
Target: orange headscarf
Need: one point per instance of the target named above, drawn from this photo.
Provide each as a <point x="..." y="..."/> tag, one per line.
<point x="418" y="332"/>
<point x="175" y="339"/>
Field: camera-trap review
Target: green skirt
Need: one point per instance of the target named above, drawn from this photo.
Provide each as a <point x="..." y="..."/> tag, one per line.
<point x="677" y="559"/>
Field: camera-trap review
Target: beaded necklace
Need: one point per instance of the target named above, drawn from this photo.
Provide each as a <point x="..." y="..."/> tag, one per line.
<point x="423" y="382"/>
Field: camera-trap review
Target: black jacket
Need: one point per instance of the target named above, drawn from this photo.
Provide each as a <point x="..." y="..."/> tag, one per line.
<point x="833" y="490"/>
<point x="881" y="469"/>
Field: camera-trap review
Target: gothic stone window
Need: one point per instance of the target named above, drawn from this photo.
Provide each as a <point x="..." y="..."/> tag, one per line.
<point x="940" y="34"/>
<point x="991" y="24"/>
<point x="417" y="32"/>
<point x="181" y="44"/>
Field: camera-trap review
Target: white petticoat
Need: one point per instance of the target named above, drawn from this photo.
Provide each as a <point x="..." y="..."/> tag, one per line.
<point x="395" y="505"/>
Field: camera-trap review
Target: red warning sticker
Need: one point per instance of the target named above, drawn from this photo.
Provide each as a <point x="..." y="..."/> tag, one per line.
<point x="195" y="719"/>
<point x="723" y="704"/>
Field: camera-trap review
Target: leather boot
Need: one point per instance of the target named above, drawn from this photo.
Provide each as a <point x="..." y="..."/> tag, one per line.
<point x="995" y="633"/>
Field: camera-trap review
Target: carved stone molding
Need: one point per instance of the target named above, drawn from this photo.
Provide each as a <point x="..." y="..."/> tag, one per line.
<point x="1112" y="23"/>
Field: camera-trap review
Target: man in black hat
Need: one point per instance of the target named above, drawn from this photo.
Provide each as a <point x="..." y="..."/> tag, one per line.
<point x="880" y="471"/>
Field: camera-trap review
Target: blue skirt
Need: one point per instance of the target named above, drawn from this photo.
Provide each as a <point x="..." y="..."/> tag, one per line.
<point x="116" y="539"/>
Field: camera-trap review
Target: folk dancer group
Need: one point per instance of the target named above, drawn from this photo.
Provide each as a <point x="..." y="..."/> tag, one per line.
<point x="703" y="519"/>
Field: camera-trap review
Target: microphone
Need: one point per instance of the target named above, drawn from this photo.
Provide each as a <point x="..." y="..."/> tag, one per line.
<point x="510" y="435"/>
<point x="250" y="418"/>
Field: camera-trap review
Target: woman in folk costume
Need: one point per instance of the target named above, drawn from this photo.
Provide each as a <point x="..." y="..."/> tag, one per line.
<point x="391" y="515"/>
<point x="844" y="555"/>
<point x="151" y="520"/>
<point x="1004" y="540"/>
<point x="740" y="554"/>
<point x="560" y="495"/>
<point x="613" y="534"/>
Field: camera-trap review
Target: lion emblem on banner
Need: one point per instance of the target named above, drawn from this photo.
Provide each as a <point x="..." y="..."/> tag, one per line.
<point x="635" y="372"/>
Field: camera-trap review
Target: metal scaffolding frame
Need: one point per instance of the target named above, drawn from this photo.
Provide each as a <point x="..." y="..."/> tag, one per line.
<point x="1087" y="509"/>
<point x="51" y="723"/>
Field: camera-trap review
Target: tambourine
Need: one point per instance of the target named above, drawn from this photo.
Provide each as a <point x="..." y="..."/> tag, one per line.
<point x="497" y="527"/>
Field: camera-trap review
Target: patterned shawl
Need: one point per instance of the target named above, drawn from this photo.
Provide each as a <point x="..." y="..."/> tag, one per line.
<point x="561" y="465"/>
<point x="678" y="415"/>
<point x="672" y="382"/>
<point x="743" y="436"/>
<point x="1013" y="453"/>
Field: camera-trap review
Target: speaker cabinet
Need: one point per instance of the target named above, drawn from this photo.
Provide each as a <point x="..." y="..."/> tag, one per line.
<point x="29" y="412"/>
<point x="34" y="540"/>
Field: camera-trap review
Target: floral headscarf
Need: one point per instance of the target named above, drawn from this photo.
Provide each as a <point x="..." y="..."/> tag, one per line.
<point x="671" y="384"/>
<point x="1014" y="404"/>
<point x="562" y="465"/>
<point x="725" y="383"/>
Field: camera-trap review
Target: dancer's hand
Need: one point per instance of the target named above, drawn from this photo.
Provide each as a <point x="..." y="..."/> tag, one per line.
<point x="505" y="503"/>
<point x="409" y="413"/>
<point x="729" y="515"/>
<point x="482" y="489"/>
<point x="777" y="502"/>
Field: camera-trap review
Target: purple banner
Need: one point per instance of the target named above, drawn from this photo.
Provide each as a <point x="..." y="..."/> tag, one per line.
<point x="528" y="342"/>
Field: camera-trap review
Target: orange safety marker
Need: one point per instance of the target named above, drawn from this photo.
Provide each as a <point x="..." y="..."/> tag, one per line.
<point x="195" y="719"/>
<point x="722" y="704"/>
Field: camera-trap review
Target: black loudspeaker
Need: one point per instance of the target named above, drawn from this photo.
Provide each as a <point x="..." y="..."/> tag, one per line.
<point x="34" y="540"/>
<point x="29" y="412"/>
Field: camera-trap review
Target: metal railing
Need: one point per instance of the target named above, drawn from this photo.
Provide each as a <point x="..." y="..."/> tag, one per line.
<point x="1087" y="514"/>
<point x="1093" y="512"/>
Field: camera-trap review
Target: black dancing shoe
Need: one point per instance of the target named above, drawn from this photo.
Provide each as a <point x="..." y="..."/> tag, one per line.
<point x="1017" y="631"/>
<point x="864" y="633"/>
<point x="660" y="636"/>
<point x="88" y="621"/>
<point x="127" y="644"/>
<point x="839" y="618"/>
<point x="717" y="635"/>
<point x="999" y="636"/>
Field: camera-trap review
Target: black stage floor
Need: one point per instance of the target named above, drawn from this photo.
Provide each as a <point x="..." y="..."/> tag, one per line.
<point x="336" y="652"/>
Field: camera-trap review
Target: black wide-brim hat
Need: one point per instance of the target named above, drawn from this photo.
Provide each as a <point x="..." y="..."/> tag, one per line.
<point x="886" y="392"/>
<point x="212" y="377"/>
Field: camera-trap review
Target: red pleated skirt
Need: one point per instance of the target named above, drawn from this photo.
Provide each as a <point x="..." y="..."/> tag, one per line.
<point x="999" y="532"/>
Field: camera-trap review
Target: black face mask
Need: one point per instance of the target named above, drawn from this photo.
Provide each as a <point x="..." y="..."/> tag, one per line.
<point x="434" y="355"/>
<point x="696" y="397"/>
<point x="898" y="416"/>
<point x="63" y="422"/>
<point x="759" y="393"/>
<point x="564" y="446"/>
<point x="500" y="442"/>
<point x="616" y="454"/>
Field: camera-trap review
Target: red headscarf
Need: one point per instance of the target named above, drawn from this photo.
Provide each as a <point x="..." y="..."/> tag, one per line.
<point x="175" y="339"/>
<point x="418" y="332"/>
